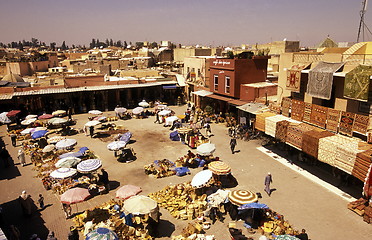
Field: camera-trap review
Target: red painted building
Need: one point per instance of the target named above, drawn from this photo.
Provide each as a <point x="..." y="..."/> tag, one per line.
<point x="226" y="75"/>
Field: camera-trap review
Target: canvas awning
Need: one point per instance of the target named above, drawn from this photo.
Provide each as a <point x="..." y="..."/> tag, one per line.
<point x="202" y="93"/>
<point x="253" y="108"/>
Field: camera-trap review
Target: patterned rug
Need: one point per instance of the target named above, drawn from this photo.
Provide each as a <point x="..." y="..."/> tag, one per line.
<point x="319" y="116"/>
<point x="346" y="123"/>
<point x="362" y="163"/>
<point x="328" y="148"/>
<point x="346" y="155"/>
<point x="357" y="83"/>
<point x="297" y="110"/>
<point x="286" y="106"/>
<point x="295" y="133"/>
<point x="294" y="77"/>
<point x="310" y="141"/>
<point x="307" y="112"/>
<point x="321" y="80"/>
<point x="260" y="120"/>
<point x="281" y="130"/>
<point x="333" y="119"/>
<point x="271" y="124"/>
<point x="361" y="123"/>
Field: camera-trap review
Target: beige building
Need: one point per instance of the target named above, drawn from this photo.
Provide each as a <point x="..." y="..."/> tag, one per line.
<point x="181" y="53"/>
<point x="360" y="53"/>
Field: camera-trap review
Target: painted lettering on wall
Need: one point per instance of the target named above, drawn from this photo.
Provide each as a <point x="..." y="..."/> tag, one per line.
<point x="221" y="62"/>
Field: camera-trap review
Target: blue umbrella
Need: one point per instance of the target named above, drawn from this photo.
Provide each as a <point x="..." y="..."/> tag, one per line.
<point x="125" y="137"/>
<point x="38" y="134"/>
<point x="102" y="234"/>
<point x="254" y="205"/>
<point x="83" y="150"/>
<point x="181" y="171"/>
<point x="174" y="136"/>
<point x="71" y="154"/>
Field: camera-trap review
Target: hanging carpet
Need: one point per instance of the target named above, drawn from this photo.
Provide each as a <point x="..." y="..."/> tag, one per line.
<point x="333" y="120"/>
<point x="294" y="77"/>
<point x="357" y="83"/>
<point x="297" y="111"/>
<point x="360" y="123"/>
<point x="307" y="112"/>
<point x="286" y="106"/>
<point x="346" y="123"/>
<point x="319" y="115"/>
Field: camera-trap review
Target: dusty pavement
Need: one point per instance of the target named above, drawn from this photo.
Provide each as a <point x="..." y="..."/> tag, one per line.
<point x="304" y="204"/>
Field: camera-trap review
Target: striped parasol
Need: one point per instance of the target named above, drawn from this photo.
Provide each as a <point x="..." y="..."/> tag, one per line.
<point x="89" y="165"/>
<point x="219" y="168"/>
<point x="183" y="130"/>
<point x="240" y="197"/>
<point x="102" y="234"/>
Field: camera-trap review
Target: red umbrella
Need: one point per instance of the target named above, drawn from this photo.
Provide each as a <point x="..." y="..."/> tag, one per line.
<point x="13" y="113"/>
<point x="127" y="191"/>
<point x="45" y="116"/>
<point x="75" y="195"/>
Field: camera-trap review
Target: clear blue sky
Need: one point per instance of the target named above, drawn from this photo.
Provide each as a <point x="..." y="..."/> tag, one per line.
<point x="206" y="22"/>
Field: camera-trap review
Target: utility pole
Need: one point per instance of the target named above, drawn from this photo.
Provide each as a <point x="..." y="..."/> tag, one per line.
<point x="362" y="25"/>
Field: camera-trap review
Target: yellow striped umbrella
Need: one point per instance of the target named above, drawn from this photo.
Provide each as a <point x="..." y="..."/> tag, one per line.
<point x="219" y="168"/>
<point x="240" y="197"/>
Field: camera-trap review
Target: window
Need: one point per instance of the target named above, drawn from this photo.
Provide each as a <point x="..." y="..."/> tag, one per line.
<point x="215" y="81"/>
<point x="188" y="69"/>
<point x="199" y="73"/>
<point x="227" y="84"/>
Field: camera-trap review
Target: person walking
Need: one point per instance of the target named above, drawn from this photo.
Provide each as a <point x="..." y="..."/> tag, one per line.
<point x="67" y="209"/>
<point x="91" y="131"/>
<point x="41" y="201"/>
<point x="208" y="130"/>
<point x="26" y="203"/>
<point x="21" y="157"/>
<point x="105" y="179"/>
<point x="233" y="145"/>
<point x="268" y="181"/>
<point x="13" y="138"/>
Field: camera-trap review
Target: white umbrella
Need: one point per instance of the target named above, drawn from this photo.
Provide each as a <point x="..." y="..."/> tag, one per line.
<point x="115" y="146"/>
<point x="140" y="204"/>
<point x="144" y="104"/>
<point x="89" y="165"/>
<point x="206" y="149"/>
<point x="66" y="143"/>
<point x="4" y="118"/>
<point x="170" y="120"/>
<point x="27" y="131"/>
<point x="120" y="110"/>
<point x="92" y="123"/>
<point x="95" y="112"/>
<point x="63" y="173"/>
<point x="164" y="112"/>
<point x="201" y="178"/>
<point x="161" y="106"/>
<point x="30" y="116"/>
<point x="28" y="121"/>
<point x="48" y="148"/>
<point x="57" y="121"/>
<point x="215" y="199"/>
<point x="137" y="110"/>
<point x="67" y="162"/>
<point x="59" y="113"/>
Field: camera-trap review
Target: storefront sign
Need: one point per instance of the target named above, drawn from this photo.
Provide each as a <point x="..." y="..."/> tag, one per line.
<point x="221" y="62"/>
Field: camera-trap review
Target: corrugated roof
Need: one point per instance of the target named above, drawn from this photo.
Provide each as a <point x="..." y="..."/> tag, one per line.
<point x="89" y="88"/>
<point x="5" y="96"/>
<point x="202" y="93"/>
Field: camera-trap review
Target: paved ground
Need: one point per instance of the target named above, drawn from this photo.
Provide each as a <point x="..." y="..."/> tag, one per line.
<point x="305" y="202"/>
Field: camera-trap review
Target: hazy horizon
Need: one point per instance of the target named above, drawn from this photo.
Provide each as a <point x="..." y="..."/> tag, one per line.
<point x="216" y="23"/>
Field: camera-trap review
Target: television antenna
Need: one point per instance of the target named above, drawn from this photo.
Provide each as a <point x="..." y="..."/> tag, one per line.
<point x="362" y="25"/>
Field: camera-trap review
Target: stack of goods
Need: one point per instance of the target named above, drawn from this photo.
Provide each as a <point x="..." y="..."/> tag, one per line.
<point x="347" y="153"/>
<point x="278" y="227"/>
<point x="274" y="108"/>
<point x="160" y="168"/>
<point x="328" y="148"/>
<point x="358" y="206"/>
<point x="181" y="201"/>
<point x="109" y="215"/>
<point x="295" y="133"/>
<point x="193" y="231"/>
<point x="260" y="120"/>
<point x="270" y="124"/>
<point x="333" y="119"/>
<point x="282" y="129"/>
<point x="194" y="236"/>
<point x="319" y="116"/>
<point x="310" y="141"/>
<point x="362" y="163"/>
